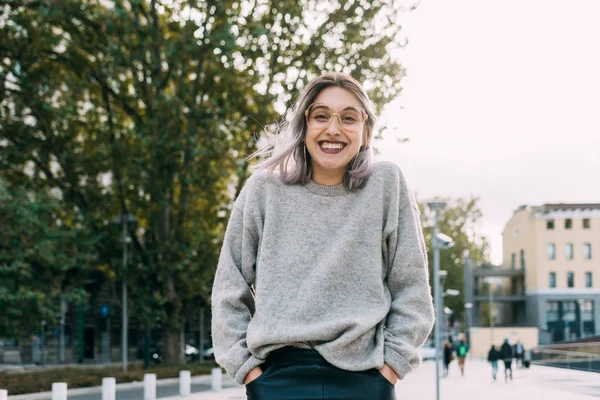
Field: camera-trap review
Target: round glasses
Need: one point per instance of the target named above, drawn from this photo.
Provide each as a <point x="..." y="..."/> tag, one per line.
<point x="351" y="118"/>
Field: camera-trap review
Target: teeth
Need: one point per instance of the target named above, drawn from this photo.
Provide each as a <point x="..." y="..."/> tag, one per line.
<point x="328" y="145"/>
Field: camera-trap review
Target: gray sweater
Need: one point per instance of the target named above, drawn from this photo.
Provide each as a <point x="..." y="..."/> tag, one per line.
<point x="342" y="272"/>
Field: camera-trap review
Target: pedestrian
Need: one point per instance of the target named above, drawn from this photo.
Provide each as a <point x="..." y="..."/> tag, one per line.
<point x="493" y="356"/>
<point x="321" y="289"/>
<point x="519" y="351"/>
<point x="507" y="355"/>
<point x="448" y="356"/>
<point x="461" y="353"/>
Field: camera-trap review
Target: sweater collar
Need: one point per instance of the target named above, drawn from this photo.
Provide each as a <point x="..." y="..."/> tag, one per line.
<point x="323" y="190"/>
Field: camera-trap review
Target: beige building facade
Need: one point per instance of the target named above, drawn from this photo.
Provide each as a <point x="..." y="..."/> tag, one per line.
<point x="556" y="247"/>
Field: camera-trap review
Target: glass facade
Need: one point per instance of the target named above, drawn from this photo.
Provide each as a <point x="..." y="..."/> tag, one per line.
<point x="566" y="319"/>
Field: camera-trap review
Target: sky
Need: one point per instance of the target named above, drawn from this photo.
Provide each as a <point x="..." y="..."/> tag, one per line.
<point x="501" y="101"/>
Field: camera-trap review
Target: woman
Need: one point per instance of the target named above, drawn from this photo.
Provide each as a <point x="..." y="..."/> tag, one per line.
<point x="493" y="356"/>
<point x="448" y="357"/>
<point x="321" y="289"/>
<point x="507" y="355"/>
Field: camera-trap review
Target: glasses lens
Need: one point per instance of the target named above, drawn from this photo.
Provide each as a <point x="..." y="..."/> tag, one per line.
<point x="319" y="116"/>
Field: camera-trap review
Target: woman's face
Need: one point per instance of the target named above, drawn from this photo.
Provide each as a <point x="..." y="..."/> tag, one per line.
<point x="331" y="141"/>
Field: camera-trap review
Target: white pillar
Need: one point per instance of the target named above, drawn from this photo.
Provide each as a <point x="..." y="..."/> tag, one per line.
<point x="150" y="387"/>
<point x="59" y="391"/>
<point x="185" y="383"/>
<point x="217" y="379"/>
<point x="3" y="394"/>
<point x="109" y="388"/>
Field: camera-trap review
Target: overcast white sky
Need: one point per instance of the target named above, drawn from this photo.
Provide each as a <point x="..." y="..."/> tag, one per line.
<point x="501" y="101"/>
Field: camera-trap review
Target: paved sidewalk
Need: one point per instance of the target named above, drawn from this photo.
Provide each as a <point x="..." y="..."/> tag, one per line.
<point x="544" y="383"/>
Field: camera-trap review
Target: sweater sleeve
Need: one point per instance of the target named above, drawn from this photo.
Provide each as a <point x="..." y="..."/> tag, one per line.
<point x="411" y="316"/>
<point x="232" y="300"/>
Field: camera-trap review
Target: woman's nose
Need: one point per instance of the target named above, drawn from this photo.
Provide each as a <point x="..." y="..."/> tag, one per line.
<point x="335" y="125"/>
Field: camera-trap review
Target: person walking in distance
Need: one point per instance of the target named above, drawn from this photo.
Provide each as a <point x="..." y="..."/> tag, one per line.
<point x="519" y="351"/>
<point x="493" y="357"/>
<point x="507" y="355"/>
<point x="461" y="352"/>
<point x="322" y="287"/>
<point x="448" y="356"/>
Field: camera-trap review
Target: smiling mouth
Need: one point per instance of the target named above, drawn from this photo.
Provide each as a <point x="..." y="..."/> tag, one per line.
<point x="331" y="147"/>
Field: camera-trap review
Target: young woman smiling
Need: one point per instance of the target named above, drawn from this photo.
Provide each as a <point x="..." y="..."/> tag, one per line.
<point x="321" y="290"/>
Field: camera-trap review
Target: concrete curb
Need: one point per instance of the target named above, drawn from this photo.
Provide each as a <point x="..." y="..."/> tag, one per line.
<point x="206" y="379"/>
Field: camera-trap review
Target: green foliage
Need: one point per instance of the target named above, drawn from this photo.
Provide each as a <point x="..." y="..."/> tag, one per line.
<point x="44" y="254"/>
<point x="459" y="220"/>
<point x="149" y="107"/>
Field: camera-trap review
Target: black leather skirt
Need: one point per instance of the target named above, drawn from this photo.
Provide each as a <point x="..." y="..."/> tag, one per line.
<point x="303" y="374"/>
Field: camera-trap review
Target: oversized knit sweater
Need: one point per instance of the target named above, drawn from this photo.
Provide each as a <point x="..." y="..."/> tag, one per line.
<point x="342" y="272"/>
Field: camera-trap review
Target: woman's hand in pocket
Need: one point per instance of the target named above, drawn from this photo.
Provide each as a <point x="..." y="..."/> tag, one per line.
<point x="389" y="374"/>
<point x="252" y="375"/>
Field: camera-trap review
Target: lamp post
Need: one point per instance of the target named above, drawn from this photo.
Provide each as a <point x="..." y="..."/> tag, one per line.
<point x="124" y="219"/>
<point x="468" y="307"/>
<point x="438" y="241"/>
<point x="490" y="282"/>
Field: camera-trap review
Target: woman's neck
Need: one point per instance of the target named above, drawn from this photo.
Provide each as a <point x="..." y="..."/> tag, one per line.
<point x="327" y="178"/>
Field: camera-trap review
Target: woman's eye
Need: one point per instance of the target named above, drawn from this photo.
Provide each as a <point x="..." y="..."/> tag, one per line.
<point x="349" y="119"/>
<point x="321" y="117"/>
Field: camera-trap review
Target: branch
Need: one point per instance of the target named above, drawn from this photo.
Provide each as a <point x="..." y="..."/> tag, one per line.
<point x="128" y="109"/>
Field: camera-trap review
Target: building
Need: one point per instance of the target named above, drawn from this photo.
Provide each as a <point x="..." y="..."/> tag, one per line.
<point x="550" y="276"/>
<point x="554" y="245"/>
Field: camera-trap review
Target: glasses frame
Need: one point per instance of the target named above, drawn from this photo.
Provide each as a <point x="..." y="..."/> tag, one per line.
<point x="365" y="115"/>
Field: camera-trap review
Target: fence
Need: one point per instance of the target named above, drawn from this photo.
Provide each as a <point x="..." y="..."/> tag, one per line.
<point x="109" y="387"/>
<point x="577" y="360"/>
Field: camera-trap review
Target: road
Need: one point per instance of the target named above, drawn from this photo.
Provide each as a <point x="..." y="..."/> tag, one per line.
<point x="138" y="393"/>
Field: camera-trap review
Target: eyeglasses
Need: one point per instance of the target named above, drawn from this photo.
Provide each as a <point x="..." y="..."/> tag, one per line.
<point x="351" y="118"/>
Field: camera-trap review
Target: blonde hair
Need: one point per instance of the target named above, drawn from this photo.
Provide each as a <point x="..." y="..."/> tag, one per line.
<point x="287" y="154"/>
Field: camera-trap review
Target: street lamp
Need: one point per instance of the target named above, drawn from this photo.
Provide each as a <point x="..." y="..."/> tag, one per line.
<point x="491" y="281"/>
<point x="125" y="220"/>
<point x="439" y="241"/>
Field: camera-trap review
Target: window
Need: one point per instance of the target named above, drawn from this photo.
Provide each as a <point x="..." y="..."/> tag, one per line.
<point x="586" y="223"/>
<point x="569" y="308"/>
<point x="586" y="308"/>
<point x="550" y="224"/>
<point x="568" y="223"/>
<point x="570" y="279"/>
<point x="569" y="251"/>
<point x="551" y="250"/>
<point x="513" y="260"/>
<point x="551" y="311"/>
<point x="588" y="279"/>
<point x="552" y="279"/>
<point x="522" y="259"/>
<point x="587" y="251"/>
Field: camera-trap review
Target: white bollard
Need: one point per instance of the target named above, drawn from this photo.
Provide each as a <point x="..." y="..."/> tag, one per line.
<point x="150" y="387"/>
<point x="109" y="388"/>
<point x="59" y="391"/>
<point x="3" y="394"/>
<point x="217" y="379"/>
<point x="185" y="383"/>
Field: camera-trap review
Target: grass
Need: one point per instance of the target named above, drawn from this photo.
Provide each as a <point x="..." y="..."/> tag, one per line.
<point x="41" y="381"/>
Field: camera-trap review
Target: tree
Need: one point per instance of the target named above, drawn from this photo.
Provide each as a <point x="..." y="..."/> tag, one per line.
<point x="44" y="256"/>
<point x="150" y="108"/>
<point x="458" y="220"/>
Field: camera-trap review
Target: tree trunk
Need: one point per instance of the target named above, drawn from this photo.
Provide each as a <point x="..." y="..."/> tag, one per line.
<point x="173" y="346"/>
